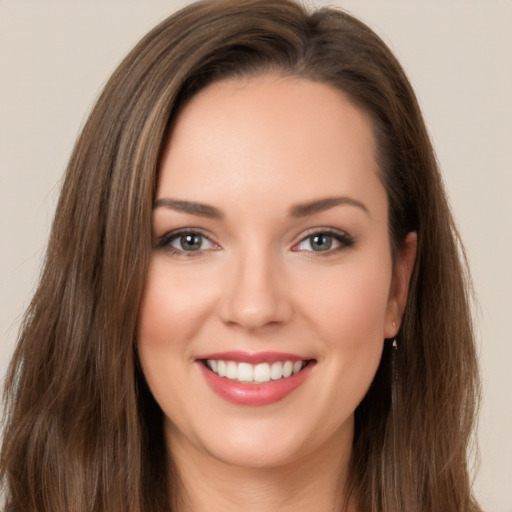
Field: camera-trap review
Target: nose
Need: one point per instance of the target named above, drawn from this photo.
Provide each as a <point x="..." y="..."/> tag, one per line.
<point x="256" y="294"/>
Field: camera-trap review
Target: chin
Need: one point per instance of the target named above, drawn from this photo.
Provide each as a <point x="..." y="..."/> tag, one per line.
<point x="249" y="454"/>
<point x="263" y="443"/>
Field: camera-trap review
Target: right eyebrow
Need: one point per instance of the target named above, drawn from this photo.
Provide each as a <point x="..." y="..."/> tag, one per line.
<point x="320" y="205"/>
<point x="191" y="207"/>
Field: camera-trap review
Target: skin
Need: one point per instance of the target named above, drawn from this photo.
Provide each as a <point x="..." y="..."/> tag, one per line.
<point x="254" y="149"/>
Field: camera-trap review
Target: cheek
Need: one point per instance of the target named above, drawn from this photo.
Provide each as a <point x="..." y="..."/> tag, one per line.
<point x="172" y="307"/>
<point x="349" y="304"/>
<point x="348" y="314"/>
<point x="169" y="320"/>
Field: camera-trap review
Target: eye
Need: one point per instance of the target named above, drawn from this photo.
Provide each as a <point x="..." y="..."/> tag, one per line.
<point x="324" y="241"/>
<point x="186" y="243"/>
<point x="189" y="242"/>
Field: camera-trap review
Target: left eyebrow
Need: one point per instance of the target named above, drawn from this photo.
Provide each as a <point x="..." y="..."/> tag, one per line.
<point x="191" y="207"/>
<point x="320" y="205"/>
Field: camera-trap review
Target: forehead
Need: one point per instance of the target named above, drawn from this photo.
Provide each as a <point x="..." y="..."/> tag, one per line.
<point x="269" y="133"/>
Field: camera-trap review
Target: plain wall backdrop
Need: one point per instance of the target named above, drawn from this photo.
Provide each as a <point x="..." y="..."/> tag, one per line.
<point x="56" y="55"/>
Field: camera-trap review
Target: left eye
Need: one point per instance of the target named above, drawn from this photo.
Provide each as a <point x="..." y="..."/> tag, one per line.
<point x="188" y="241"/>
<point x="323" y="242"/>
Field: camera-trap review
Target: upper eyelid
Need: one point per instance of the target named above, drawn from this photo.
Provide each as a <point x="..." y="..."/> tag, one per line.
<point x="180" y="231"/>
<point x="325" y="229"/>
<point x="175" y="233"/>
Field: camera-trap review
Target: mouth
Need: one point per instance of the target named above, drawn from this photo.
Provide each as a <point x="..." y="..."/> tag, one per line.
<point x="255" y="373"/>
<point x="254" y="379"/>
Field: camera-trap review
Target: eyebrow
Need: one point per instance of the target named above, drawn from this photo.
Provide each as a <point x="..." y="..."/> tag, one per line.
<point x="298" y="210"/>
<point x="203" y="210"/>
<point x="320" y="205"/>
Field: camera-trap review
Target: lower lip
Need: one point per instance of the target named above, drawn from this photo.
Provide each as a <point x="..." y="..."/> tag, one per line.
<point x="266" y="393"/>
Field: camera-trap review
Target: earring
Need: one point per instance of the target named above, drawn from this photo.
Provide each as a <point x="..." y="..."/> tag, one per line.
<point x="395" y="345"/>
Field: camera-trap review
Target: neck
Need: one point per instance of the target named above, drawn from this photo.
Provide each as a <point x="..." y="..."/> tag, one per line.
<point x="315" y="481"/>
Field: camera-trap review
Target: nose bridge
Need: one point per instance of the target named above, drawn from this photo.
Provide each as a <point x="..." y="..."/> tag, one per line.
<point x="255" y="296"/>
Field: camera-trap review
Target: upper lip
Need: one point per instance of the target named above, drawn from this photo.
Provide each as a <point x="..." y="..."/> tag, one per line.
<point x="252" y="357"/>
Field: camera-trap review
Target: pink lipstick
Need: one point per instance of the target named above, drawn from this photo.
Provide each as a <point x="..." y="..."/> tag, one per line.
<point x="254" y="379"/>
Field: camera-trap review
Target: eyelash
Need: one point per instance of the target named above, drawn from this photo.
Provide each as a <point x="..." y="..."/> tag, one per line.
<point x="165" y="241"/>
<point x="343" y="239"/>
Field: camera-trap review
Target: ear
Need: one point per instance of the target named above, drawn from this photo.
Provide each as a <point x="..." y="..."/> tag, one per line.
<point x="397" y="299"/>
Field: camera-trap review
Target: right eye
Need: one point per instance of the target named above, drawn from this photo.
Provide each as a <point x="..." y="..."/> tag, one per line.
<point x="188" y="243"/>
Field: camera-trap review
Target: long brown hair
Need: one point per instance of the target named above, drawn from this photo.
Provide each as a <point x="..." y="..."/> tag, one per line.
<point x="82" y="431"/>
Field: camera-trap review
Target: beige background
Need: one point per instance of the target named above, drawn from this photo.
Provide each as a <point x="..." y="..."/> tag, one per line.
<point x="55" y="56"/>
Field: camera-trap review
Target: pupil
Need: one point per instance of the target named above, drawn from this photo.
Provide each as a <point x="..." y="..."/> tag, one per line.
<point x="321" y="242"/>
<point x="191" y="242"/>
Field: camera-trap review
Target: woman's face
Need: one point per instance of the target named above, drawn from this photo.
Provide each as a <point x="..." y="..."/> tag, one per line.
<point x="271" y="256"/>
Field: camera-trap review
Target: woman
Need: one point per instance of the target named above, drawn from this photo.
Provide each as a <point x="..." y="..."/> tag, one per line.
<point x="253" y="296"/>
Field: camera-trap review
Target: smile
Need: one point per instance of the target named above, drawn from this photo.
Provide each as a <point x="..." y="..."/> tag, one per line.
<point x="254" y="379"/>
<point x="255" y="373"/>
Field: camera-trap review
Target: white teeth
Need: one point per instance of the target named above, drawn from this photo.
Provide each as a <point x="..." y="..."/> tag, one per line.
<point x="221" y="368"/>
<point x="262" y="372"/>
<point x="276" y="371"/>
<point x="287" y="369"/>
<point x="231" y="370"/>
<point x="259" y="373"/>
<point x="245" y="372"/>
